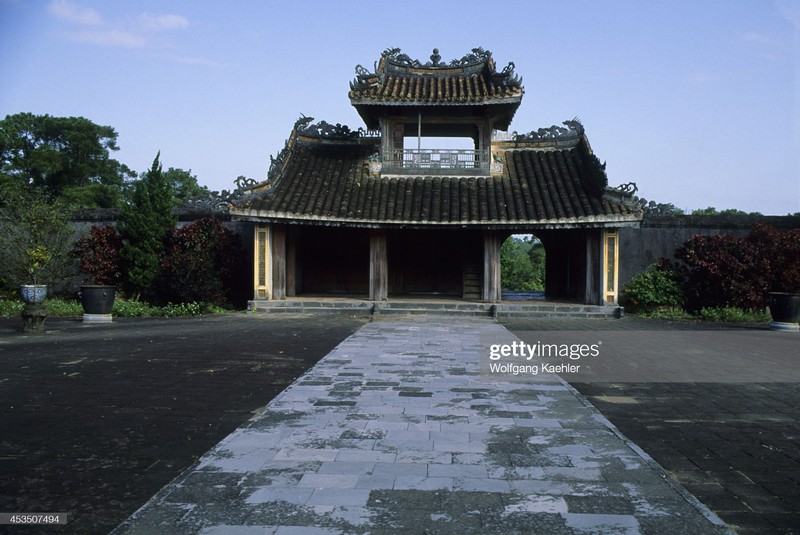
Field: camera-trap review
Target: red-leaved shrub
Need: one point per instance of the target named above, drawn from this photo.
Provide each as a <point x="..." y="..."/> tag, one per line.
<point x="726" y="271"/>
<point x="201" y="263"/>
<point x="98" y="255"/>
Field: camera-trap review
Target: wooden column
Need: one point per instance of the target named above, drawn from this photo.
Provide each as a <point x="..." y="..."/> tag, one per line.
<point x="291" y="262"/>
<point x="261" y="278"/>
<point x="491" y="266"/>
<point x="610" y="278"/>
<point x="594" y="252"/>
<point x="278" y="262"/>
<point x="378" y="267"/>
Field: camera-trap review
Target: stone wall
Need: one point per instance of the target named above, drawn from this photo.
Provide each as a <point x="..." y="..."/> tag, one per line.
<point x="659" y="236"/>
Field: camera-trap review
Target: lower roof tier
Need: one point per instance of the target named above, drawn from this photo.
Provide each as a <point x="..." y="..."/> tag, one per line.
<point x="331" y="184"/>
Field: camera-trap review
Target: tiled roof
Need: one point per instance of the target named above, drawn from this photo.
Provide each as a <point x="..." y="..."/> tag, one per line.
<point x="440" y="88"/>
<point x="330" y="183"/>
<point x="401" y="81"/>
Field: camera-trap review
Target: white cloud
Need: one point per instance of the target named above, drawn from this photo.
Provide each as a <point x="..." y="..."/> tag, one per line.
<point x="704" y="77"/>
<point x="66" y="10"/>
<point x="790" y="11"/>
<point x="195" y="60"/>
<point x="762" y="39"/>
<point x="151" y="22"/>
<point x="117" y="38"/>
<point x="144" y="30"/>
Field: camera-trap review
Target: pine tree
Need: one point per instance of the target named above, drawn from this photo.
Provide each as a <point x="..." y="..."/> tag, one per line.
<point x="146" y="222"/>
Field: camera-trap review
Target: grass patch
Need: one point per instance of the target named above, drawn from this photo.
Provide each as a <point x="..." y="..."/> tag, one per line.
<point x="735" y="315"/>
<point x="716" y="315"/>
<point x="665" y="313"/>
<point x="123" y="308"/>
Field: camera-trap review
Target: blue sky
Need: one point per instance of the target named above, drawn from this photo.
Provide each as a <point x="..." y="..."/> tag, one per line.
<point x="698" y="102"/>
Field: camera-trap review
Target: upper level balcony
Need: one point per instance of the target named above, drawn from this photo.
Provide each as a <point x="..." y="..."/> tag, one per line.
<point x="436" y="162"/>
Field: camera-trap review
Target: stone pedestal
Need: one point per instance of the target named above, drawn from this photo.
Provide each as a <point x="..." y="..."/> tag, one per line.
<point x="33" y="317"/>
<point x="97" y="318"/>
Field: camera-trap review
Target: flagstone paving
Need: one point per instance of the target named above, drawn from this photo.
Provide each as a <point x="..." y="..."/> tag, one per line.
<point x="396" y="431"/>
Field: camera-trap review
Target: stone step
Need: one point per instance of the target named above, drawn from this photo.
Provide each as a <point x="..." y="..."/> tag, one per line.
<point x="432" y="308"/>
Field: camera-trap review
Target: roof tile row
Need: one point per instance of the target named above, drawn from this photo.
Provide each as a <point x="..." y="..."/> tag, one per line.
<point x="333" y="183"/>
<point x="435" y="89"/>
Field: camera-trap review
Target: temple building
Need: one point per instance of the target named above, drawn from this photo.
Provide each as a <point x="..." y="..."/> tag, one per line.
<point x="374" y="214"/>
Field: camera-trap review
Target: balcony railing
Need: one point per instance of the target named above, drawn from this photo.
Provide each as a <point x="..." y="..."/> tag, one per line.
<point x="436" y="161"/>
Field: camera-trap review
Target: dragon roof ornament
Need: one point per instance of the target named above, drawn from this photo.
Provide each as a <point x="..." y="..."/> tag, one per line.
<point x="574" y="129"/>
<point x="219" y="202"/>
<point x="392" y="59"/>
<point x="477" y="56"/>
<point x="306" y="127"/>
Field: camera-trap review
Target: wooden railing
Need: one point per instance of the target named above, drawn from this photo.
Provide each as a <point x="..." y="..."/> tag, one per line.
<point x="436" y="161"/>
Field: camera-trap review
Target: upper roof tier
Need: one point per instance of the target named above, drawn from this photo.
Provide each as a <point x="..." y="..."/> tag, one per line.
<point x="472" y="81"/>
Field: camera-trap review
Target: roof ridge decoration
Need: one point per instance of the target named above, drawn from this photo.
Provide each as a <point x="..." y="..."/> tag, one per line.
<point x="323" y="130"/>
<point x="625" y="194"/>
<point x="574" y="130"/>
<point x="326" y="130"/>
<point x="219" y="202"/>
<point x="478" y="55"/>
<point x="393" y="60"/>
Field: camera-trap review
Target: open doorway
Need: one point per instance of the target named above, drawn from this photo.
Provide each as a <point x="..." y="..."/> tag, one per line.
<point x="522" y="268"/>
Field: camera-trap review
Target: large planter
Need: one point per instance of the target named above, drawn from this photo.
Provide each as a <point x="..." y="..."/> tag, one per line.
<point x="785" y="310"/>
<point x="97" y="301"/>
<point x="33" y="294"/>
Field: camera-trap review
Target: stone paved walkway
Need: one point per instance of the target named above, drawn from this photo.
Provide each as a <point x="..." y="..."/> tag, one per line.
<point x="395" y="431"/>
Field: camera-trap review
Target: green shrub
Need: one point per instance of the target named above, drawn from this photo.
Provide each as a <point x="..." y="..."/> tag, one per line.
<point x="132" y="309"/>
<point x="735" y="315"/>
<point x="171" y="310"/>
<point x="54" y="307"/>
<point x="656" y="288"/>
<point x="9" y="308"/>
<point x="57" y="306"/>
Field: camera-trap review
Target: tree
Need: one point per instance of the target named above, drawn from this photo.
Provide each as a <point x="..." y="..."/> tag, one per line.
<point x="185" y="186"/>
<point x="35" y="237"/>
<point x="146" y="222"/>
<point x="727" y="211"/>
<point x="537" y="256"/>
<point x="62" y="156"/>
<point x="516" y="269"/>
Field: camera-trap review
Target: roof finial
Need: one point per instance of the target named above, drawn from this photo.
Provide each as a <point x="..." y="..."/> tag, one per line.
<point x="435" y="57"/>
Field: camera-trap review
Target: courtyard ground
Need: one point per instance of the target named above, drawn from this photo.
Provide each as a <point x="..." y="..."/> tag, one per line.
<point x="97" y="419"/>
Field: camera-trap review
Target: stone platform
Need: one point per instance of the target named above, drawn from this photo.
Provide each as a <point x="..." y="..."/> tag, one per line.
<point x="435" y="307"/>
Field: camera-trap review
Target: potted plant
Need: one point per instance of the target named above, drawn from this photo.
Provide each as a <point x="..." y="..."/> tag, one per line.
<point x="374" y="163"/>
<point x="37" y="259"/>
<point x="98" y="256"/>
